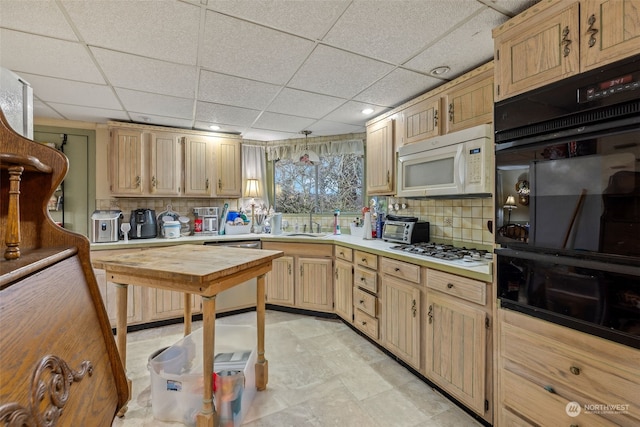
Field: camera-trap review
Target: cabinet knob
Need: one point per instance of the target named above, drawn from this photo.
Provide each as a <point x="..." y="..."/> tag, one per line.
<point x="430" y="314"/>
<point x="361" y="302"/>
<point x="364" y="323"/>
<point x="449" y="285"/>
<point x="397" y="269"/>
<point x="364" y="260"/>
<point x="574" y="370"/>
<point x="206" y="184"/>
<point x="362" y="279"/>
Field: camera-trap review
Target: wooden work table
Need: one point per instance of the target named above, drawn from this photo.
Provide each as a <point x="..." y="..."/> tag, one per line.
<point x="192" y="269"/>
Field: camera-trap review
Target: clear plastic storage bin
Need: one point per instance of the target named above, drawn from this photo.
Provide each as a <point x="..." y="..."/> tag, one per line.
<point x="177" y="383"/>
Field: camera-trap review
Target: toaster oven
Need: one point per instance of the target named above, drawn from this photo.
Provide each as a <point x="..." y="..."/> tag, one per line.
<point x="404" y="229"/>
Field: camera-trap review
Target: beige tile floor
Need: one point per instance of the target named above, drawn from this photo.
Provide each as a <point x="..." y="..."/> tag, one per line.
<point x="321" y="373"/>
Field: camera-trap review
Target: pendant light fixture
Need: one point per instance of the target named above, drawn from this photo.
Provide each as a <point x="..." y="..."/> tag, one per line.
<point x="306" y="156"/>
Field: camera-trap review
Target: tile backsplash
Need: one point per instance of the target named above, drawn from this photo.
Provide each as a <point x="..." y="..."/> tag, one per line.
<point x="459" y="221"/>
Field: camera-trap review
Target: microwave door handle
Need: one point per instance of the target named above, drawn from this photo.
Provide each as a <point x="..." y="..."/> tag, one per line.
<point x="459" y="167"/>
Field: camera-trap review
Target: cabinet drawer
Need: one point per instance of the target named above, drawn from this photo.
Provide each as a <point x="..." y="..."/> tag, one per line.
<point x="364" y="301"/>
<point x="461" y="287"/>
<point x="366" y="323"/>
<point x="365" y="279"/>
<point x="344" y="253"/>
<point x="366" y="259"/>
<point x="543" y="407"/>
<point x="574" y="372"/>
<point x="400" y="269"/>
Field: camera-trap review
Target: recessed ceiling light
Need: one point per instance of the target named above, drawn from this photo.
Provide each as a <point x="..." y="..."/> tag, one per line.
<point x="438" y="71"/>
<point x="367" y="111"/>
<point x="214" y="127"/>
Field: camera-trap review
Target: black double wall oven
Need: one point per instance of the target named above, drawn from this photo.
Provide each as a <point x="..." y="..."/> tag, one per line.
<point x="568" y="202"/>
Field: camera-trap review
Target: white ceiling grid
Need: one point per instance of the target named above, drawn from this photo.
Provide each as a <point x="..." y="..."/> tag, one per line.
<point x="267" y="69"/>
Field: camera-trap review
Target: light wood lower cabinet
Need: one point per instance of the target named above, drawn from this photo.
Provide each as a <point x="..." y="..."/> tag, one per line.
<point x="552" y="375"/>
<point x="343" y="290"/>
<point x="401" y="310"/>
<point x="279" y="282"/>
<point x="163" y="304"/>
<point x="308" y="279"/>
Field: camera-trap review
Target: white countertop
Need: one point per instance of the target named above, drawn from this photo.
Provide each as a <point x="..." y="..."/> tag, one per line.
<point x="378" y="246"/>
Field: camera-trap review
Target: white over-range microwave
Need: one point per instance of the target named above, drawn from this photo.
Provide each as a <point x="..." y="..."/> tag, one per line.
<point x="458" y="163"/>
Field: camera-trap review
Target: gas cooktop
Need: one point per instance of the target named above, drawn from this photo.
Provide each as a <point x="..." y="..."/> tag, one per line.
<point x="463" y="256"/>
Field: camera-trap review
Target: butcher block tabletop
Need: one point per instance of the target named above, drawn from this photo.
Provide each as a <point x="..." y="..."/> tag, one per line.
<point x="199" y="269"/>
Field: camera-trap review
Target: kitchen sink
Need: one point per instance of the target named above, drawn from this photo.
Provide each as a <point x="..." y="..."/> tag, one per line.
<point x="305" y="234"/>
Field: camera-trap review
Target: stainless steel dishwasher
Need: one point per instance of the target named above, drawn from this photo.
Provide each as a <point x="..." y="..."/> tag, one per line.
<point x="242" y="296"/>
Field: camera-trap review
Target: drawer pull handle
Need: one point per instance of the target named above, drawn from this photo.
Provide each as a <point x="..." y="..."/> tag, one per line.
<point x="575" y="370"/>
<point x="430" y="313"/>
<point x="362" y="279"/>
<point x="449" y="285"/>
<point x="364" y="260"/>
<point x="413" y="308"/>
<point x="397" y="269"/>
<point x="361" y="302"/>
<point x="549" y="389"/>
<point x="364" y="323"/>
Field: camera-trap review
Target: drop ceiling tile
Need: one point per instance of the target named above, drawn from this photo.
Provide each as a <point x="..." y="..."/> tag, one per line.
<point x="351" y="113"/>
<point x="165" y="30"/>
<point x="47" y="56"/>
<point x="397" y="87"/>
<point x="225" y="114"/>
<point x="310" y="19"/>
<point x="240" y="48"/>
<point x="472" y="43"/>
<point x="230" y="90"/>
<point x="394" y="31"/>
<point x="41" y="110"/>
<point x="154" y="104"/>
<point x="338" y="73"/>
<point x="282" y="122"/>
<point x="70" y="92"/>
<point x="304" y="104"/>
<point x="40" y="17"/>
<point x="325" y="128"/>
<point x="88" y="114"/>
<point x="147" y="75"/>
<point x="267" y="135"/>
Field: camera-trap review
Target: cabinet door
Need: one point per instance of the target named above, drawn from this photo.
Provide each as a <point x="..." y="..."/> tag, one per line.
<point x="537" y="51"/>
<point x="126" y="158"/>
<point x="611" y="31"/>
<point x="199" y="164"/>
<point x="315" y="284"/>
<point x="279" y="282"/>
<point x="165" y="304"/>
<point x="456" y="350"/>
<point x="344" y="290"/>
<point x="380" y="159"/>
<point x="165" y="165"/>
<point x="422" y="120"/>
<point x="229" y="168"/>
<point x="401" y="319"/>
<point x="471" y="104"/>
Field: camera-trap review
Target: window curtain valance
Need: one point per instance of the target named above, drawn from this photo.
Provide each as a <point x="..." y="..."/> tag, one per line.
<point x="285" y="151"/>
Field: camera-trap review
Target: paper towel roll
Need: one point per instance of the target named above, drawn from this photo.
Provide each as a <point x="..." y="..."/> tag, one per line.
<point x="366" y="233"/>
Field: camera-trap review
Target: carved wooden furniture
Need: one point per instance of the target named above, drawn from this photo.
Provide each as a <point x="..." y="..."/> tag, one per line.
<point x="192" y="269"/>
<point x="59" y="365"/>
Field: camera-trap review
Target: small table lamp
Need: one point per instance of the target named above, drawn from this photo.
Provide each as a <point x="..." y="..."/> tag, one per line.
<point x="510" y="204"/>
<point x="251" y="190"/>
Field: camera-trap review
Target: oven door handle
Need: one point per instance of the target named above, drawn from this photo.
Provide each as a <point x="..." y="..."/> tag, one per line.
<point x="569" y="261"/>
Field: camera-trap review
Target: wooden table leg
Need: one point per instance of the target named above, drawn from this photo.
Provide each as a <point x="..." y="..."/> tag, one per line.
<point x="187" y="314"/>
<point x="121" y="332"/>
<point x="208" y="416"/>
<point x="262" y="365"/>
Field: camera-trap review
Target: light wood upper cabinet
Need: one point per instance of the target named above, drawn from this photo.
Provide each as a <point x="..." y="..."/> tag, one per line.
<point x="126" y="158"/>
<point x="555" y="39"/>
<point x="199" y="164"/>
<point x="470" y="103"/>
<point x="610" y="31"/>
<point x="380" y="158"/>
<point x="165" y="160"/>
<point x="421" y="121"/>
<point x="229" y="168"/>
<point x="537" y="47"/>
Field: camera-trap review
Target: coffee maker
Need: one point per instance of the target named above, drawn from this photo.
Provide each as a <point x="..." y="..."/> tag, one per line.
<point x="143" y="224"/>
